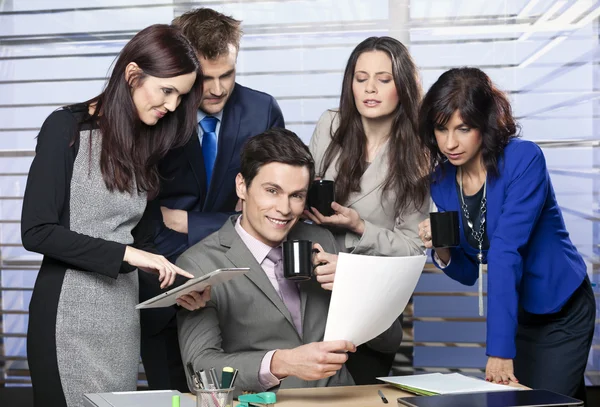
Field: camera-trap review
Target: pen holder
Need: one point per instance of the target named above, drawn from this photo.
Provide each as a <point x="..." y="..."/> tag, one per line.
<point x="214" y="397"/>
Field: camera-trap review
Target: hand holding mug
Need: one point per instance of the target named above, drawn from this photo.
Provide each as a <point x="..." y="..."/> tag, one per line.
<point x="323" y="210"/>
<point x="325" y="265"/>
<point x="443" y="229"/>
<point x="343" y="216"/>
<point x="444" y="236"/>
<point x="425" y="233"/>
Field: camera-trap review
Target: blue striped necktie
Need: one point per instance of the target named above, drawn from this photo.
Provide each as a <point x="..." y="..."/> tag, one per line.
<point x="209" y="145"/>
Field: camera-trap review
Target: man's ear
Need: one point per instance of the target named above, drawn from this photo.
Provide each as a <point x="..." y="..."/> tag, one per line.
<point x="130" y="71"/>
<point x="240" y="186"/>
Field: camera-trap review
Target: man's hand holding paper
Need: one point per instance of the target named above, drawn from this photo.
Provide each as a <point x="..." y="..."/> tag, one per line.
<point x="313" y="361"/>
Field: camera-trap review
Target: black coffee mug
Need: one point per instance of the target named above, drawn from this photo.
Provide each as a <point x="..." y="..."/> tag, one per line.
<point x="444" y="229"/>
<point x="297" y="260"/>
<point x="320" y="196"/>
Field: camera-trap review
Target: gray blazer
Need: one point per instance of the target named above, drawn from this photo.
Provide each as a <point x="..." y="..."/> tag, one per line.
<point x="246" y="318"/>
<point x="386" y="232"/>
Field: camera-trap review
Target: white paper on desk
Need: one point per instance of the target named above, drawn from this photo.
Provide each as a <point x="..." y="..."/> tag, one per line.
<point x="446" y="383"/>
<point x="369" y="293"/>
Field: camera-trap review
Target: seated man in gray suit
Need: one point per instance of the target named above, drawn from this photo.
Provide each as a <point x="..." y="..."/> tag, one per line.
<point x="269" y="328"/>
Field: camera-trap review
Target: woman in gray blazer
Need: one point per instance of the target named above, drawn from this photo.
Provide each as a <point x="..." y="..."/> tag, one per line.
<point x="370" y="148"/>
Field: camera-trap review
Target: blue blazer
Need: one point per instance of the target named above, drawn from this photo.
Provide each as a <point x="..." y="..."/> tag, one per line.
<point x="531" y="260"/>
<point x="247" y="113"/>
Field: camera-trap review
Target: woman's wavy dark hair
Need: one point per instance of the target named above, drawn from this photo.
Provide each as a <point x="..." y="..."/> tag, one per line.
<point x="406" y="157"/>
<point x="131" y="149"/>
<point x="481" y="106"/>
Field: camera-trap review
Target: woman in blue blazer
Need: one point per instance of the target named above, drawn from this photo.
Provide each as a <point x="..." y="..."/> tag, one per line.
<point x="541" y="307"/>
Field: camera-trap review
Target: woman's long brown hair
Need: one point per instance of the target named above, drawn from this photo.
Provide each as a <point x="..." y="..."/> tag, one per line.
<point x="131" y="149"/>
<point x="408" y="162"/>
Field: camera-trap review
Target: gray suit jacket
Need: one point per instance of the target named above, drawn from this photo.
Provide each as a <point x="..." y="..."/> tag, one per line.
<point x="386" y="232"/>
<point x="246" y="318"/>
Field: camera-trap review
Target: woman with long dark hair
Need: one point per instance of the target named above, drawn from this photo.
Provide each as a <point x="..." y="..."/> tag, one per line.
<point x="95" y="169"/>
<point x="370" y="148"/>
<point x="540" y="304"/>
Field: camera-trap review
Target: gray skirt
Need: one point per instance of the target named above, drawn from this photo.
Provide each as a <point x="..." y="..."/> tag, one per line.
<point x="97" y="334"/>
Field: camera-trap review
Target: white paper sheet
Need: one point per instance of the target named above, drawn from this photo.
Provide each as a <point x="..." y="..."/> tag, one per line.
<point x="446" y="383"/>
<point x="369" y="293"/>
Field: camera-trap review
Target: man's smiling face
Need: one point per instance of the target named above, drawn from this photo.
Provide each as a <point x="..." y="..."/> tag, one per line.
<point x="274" y="201"/>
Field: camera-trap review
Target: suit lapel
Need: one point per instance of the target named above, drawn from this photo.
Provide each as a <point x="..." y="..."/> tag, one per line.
<point x="240" y="256"/>
<point x="303" y="299"/>
<point x="373" y="177"/>
<point x="228" y="135"/>
<point x="193" y="152"/>
<point x="494" y="201"/>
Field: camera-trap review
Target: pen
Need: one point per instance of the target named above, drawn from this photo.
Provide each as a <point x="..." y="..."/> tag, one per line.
<point x="199" y="380"/>
<point x="385" y="401"/>
<point x="193" y="375"/>
<point x="226" y="376"/>
<point x="214" y="377"/>
<point x="204" y="379"/>
<point x="233" y="378"/>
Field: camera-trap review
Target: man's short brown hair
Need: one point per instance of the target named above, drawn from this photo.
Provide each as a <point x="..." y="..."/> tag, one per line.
<point x="209" y="31"/>
<point x="275" y="145"/>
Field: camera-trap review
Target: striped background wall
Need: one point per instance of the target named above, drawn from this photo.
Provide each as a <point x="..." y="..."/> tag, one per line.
<point x="542" y="52"/>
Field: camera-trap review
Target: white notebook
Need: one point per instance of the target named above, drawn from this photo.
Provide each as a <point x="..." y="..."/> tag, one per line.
<point x="168" y="298"/>
<point x="448" y="383"/>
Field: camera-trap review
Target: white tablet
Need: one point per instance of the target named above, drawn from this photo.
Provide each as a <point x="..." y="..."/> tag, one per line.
<point x="168" y="298"/>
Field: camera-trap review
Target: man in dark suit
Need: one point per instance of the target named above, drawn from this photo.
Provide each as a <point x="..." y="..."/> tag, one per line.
<point x="269" y="328"/>
<point x="198" y="189"/>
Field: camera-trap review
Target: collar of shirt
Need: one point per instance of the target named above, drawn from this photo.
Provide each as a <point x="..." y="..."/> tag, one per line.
<point x="201" y="115"/>
<point x="258" y="249"/>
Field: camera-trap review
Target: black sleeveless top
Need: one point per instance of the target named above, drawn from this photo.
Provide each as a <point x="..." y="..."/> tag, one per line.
<point x="473" y="203"/>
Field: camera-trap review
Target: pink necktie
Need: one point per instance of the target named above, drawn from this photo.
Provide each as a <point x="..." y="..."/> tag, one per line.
<point x="288" y="290"/>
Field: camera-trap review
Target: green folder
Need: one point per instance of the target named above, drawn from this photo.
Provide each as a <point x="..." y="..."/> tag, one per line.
<point x="414" y="390"/>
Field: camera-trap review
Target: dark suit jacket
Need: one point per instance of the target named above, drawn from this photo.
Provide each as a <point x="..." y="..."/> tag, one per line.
<point x="247" y="113"/>
<point x="246" y="318"/>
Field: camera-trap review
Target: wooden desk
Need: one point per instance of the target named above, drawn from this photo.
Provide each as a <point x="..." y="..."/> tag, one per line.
<point x="350" y="396"/>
